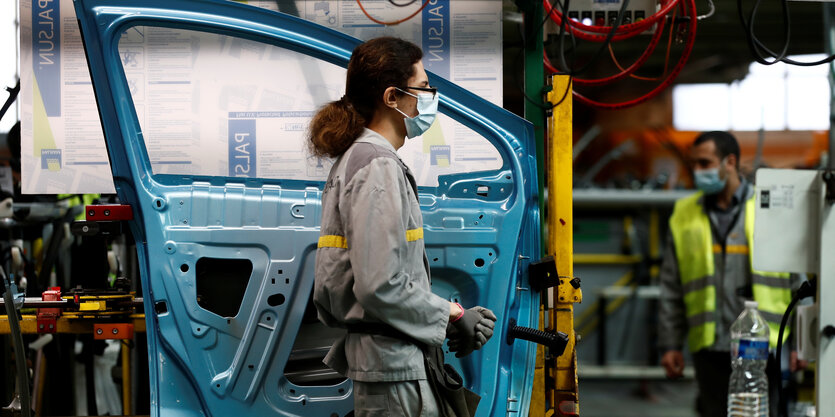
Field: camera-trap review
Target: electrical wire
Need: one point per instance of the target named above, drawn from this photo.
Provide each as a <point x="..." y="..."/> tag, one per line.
<point x="547" y="61"/>
<point x="647" y="53"/>
<point x="688" y="48"/>
<point x="807" y="289"/>
<point x="572" y="70"/>
<point x="638" y="64"/>
<point x="760" y="51"/>
<point x="565" y="93"/>
<point x="710" y="13"/>
<point x="13" y="92"/>
<point x="403" y="4"/>
<point x="632" y="68"/>
<point x="544" y="105"/>
<point x="623" y="31"/>
<point x="373" y="19"/>
<point x="519" y="86"/>
<point x="755" y="44"/>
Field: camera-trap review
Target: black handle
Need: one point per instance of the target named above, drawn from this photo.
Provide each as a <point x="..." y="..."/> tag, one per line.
<point x="555" y="342"/>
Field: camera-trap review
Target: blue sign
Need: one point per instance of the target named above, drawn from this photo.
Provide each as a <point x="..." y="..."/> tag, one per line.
<point x="51" y="159"/>
<point x="242" y="148"/>
<point x="436" y="46"/>
<point x="46" y="54"/>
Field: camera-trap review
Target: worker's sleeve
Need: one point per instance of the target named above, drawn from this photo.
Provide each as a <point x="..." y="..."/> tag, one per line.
<point x="388" y="271"/>
<point x="672" y="319"/>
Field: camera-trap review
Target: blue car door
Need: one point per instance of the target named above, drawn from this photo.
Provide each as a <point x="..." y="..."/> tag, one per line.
<point x="227" y="206"/>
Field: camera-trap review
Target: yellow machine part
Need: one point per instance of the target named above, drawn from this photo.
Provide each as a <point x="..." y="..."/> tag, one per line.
<point x="99" y="305"/>
<point x="555" y="381"/>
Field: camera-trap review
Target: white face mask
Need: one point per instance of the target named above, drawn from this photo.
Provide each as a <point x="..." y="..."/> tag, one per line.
<point x="427" y="107"/>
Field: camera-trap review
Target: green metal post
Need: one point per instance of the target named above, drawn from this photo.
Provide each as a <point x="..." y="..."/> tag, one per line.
<point x="534" y="84"/>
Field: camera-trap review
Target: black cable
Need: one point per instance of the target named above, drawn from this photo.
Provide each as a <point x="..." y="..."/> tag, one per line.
<point x="807" y="289"/>
<point x="520" y="86"/>
<point x="570" y="69"/>
<point x="786" y="33"/>
<point x="757" y="47"/>
<point x="403" y="4"/>
<point x="561" y="49"/>
<point x="516" y="82"/>
<point x="606" y="42"/>
<point x="563" y="22"/>
<point x="567" y="89"/>
<point x="13" y="92"/>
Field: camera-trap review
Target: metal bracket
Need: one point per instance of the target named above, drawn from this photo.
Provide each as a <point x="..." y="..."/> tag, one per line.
<point x="542" y="274"/>
<point x="94" y="228"/>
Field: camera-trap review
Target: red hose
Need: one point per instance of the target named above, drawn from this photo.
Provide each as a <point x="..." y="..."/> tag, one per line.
<point x="656" y="37"/>
<point x="688" y="47"/>
<point x="623" y="32"/>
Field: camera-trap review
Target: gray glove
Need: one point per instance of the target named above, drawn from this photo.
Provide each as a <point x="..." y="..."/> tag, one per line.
<point x="471" y="331"/>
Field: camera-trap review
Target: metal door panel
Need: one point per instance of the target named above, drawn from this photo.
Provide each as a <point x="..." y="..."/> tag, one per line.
<point x="481" y="230"/>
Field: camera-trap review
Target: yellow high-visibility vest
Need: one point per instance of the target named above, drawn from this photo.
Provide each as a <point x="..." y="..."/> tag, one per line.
<point x="695" y="249"/>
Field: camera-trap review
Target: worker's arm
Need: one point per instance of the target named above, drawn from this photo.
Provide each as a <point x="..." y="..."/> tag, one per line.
<point x="672" y="320"/>
<point x="389" y="281"/>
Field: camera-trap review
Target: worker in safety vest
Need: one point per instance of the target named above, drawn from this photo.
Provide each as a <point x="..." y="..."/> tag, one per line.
<point x="707" y="274"/>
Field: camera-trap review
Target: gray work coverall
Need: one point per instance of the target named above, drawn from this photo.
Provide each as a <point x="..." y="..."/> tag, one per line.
<point x="371" y="267"/>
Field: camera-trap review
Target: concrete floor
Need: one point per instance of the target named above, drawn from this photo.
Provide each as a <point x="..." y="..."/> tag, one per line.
<point x="630" y="398"/>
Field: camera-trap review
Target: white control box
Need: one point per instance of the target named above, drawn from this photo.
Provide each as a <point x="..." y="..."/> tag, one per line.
<point x="787" y="226"/>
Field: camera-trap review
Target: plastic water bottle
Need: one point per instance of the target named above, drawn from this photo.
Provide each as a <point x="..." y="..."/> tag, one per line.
<point x="748" y="387"/>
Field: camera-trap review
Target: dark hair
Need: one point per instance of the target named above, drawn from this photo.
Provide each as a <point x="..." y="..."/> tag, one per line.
<point x="374" y="66"/>
<point x="725" y="142"/>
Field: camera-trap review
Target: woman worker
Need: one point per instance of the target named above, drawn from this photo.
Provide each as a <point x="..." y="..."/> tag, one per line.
<point x="372" y="274"/>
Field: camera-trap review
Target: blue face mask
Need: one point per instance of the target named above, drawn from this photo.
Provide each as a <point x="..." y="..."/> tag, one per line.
<point x="708" y="180"/>
<point x="427" y="107"/>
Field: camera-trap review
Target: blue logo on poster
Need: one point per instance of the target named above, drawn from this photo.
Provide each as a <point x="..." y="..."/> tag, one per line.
<point x="46" y="52"/>
<point x="436" y="29"/>
<point x="51" y="159"/>
<point x="439" y="155"/>
<point x="242" y="148"/>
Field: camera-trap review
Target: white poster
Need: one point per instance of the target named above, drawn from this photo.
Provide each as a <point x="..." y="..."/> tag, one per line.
<point x="210" y="104"/>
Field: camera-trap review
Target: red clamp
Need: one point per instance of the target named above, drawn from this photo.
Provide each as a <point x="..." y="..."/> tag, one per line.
<point x="109" y="212"/>
<point x="48" y="317"/>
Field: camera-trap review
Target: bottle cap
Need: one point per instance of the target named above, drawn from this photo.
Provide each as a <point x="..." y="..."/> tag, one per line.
<point x="751" y="304"/>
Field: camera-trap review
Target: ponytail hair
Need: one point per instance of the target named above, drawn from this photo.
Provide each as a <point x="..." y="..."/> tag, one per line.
<point x="375" y="65"/>
<point x="334" y="128"/>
